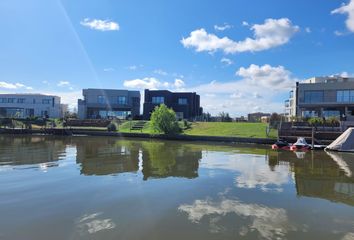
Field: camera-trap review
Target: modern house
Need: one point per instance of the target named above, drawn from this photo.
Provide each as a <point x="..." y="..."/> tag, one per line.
<point x="30" y="105"/>
<point x="109" y="103"/>
<point x="185" y="104"/>
<point x="322" y="97"/>
<point x="257" y="116"/>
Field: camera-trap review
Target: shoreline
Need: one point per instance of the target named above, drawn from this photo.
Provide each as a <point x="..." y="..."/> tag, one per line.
<point x="181" y="137"/>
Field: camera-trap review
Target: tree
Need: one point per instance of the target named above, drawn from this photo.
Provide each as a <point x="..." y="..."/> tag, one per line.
<point x="225" y="117"/>
<point x="274" y="120"/>
<point x="164" y="120"/>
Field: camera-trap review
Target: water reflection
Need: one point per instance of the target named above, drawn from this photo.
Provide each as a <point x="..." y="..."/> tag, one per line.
<point x="233" y="191"/>
<point x="320" y="174"/>
<point x="43" y="151"/>
<point x="167" y="159"/>
<point x="270" y="223"/>
<point x="107" y="156"/>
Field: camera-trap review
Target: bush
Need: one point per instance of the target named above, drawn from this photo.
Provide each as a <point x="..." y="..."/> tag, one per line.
<point x="315" y="121"/>
<point x="164" y="120"/>
<point x="112" y="127"/>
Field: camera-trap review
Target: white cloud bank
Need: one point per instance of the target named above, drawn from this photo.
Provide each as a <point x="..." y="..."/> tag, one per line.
<point x="101" y="25"/>
<point x="153" y="83"/>
<point x="270" y="34"/>
<point x="223" y="27"/>
<point x="7" y="85"/>
<point x="348" y="10"/>
<point x="257" y="90"/>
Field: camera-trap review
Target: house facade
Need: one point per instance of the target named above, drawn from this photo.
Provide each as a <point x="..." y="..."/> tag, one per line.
<point x="185" y="104"/>
<point x="322" y="97"/>
<point x="108" y="103"/>
<point x="30" y="105"/>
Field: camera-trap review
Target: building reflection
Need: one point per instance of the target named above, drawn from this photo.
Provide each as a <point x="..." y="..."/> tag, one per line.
<point x="27" y="150"/>
<point x="158" y="159"/>
<point x="107" y="156"/>
<point x="320" y="174"/>
<point x="170" y="159"/>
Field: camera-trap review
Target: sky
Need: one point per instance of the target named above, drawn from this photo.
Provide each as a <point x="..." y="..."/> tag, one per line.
<point x="241" y="56"/>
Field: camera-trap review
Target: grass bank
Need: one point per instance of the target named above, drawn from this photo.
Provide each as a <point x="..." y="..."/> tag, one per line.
<point x="230" y="129"/>
<point x="223" y="129"/>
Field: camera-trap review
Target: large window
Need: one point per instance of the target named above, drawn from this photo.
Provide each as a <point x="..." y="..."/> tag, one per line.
<point x="313" y="96"/>
<point x="45" y="101"/>
<point x="158" y="100"/>
<point x="345" y="96"/>
<point x="21" y="100"/>
<point x="122" y="100"/>
<point x="182" y="101"/>
<point x="3" y="100"/>
<point x="101" y="99"/>
<point x="10" y="100"/>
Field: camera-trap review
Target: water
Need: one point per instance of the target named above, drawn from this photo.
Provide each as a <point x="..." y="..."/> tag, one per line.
<point x="106" y="188"/>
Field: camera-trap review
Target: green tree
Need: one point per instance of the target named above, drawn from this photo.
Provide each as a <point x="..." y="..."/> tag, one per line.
<point x="164" y="120"/>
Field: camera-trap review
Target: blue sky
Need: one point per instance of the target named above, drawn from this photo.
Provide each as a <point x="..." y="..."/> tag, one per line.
<point x="240" y="56"/>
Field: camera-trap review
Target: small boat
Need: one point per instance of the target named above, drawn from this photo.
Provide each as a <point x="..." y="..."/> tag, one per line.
<point x="281" y="144"/>
<point x="301" y="145"/>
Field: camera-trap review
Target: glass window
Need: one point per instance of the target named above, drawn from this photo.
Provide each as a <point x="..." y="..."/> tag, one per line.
<point x="101" y="99"/>
<point x="3" y="100"/>
<point x="313" y="96"/>
<point x="182" y="101"/>
<point x="158" y="100"/>
<point x="122" y="100"/>
<point x="45" y="101"/>
<point x="10" y="100"/>
<point x="345" y="96"/>
<point x="21" y="100"/>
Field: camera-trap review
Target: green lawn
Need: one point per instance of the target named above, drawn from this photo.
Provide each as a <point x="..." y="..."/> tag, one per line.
<point x="230" y="129"/>
<point x="125" y="127"/>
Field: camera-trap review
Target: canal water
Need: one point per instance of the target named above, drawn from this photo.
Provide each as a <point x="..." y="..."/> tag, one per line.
<point x="108" y="188"/>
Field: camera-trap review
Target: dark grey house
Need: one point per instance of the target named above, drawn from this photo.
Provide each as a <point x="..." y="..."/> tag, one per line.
<point x="109" y="103"/>
<point x="185" y="104"/>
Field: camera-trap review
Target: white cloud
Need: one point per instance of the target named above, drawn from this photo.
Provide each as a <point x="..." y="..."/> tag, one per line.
<point x="160" y="72"/>
<point x="349" y="10"/>
<point x="7" y="85"/>
<point x="145" y="83"/>
<point x="133" y="67"/>
<point x="308" y="30"/>
<point x="63" y="84"/>
<point x="270" y="34"/>
<point x="108" y="69"/>
<point x="226" y="61"/>
<point x="223" y="27"/>
<point x="101" y="25"/>
<point x="237" y="97"/>
<point x="244" y="23"/>
<point x="179" y="83"/>
<point x="267" y="76"/>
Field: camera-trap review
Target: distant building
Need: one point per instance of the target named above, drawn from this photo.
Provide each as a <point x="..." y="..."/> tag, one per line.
<point x="30" y="105"/>
<point x="257" y="117"/>
<point x="322" y="97"/>
<point x="108" y="103"/>
<point x="185" y="104"/>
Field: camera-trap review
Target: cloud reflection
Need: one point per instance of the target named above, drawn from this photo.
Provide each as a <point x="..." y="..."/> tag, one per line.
<point x="91" y="224"/>
<point x="271" y="223"/>
<point x="253" y="171"/>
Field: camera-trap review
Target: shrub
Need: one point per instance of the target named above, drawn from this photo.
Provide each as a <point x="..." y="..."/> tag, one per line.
<point x="164" y="120"/>
<point x="112" y="127"/>
<point x="315" y="121"/>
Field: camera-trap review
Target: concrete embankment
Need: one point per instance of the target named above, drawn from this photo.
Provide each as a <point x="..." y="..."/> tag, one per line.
<point x="180" y="137"/>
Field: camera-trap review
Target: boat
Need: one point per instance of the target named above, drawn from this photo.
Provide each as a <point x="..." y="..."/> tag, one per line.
<point x="301" y="145"/>
<point x="344" y="143"/>
<point x="281" y="144"/>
